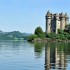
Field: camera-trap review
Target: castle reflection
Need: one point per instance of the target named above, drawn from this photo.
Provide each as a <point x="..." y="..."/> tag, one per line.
<point x="55" y="56"/>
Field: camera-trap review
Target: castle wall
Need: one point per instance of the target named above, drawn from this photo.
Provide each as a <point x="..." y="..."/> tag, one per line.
<point x="58" y="24"/>
<point x="62" y="24"/>
<point x="53" y="26"/>
<point x="56" y="29"/>
<point x="66" y="21"/>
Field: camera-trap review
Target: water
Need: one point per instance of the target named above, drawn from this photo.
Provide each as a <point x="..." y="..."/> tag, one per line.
<point x="21" y="55"/>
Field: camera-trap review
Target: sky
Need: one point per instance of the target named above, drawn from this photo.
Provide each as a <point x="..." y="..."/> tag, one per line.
<point x="26" y="15"/>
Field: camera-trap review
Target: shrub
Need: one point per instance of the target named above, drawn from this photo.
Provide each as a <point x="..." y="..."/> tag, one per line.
<point x="60" y="31"/>
<point x="32" y="37"/>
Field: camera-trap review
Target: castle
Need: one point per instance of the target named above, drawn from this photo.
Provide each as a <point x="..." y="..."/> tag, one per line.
<point x="56" y="21"/>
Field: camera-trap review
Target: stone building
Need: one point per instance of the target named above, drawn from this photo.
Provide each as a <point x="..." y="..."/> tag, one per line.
<point x="56" y="21"/>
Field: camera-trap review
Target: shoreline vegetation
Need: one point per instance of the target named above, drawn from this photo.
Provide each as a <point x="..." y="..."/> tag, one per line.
<point x="48" y="40"/>
<point x="40" y="36"/>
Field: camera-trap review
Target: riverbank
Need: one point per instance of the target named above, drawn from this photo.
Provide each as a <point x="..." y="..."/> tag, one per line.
<point x="49" y="40"/>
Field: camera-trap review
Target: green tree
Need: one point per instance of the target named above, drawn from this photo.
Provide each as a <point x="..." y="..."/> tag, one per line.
<point x="39" y="32"/>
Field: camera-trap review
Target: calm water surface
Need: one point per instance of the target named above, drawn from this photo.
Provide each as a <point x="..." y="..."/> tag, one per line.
<point x="21" y="55"/>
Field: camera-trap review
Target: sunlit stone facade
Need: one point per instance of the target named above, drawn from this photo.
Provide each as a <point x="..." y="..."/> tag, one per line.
<point x="56" y="21"/>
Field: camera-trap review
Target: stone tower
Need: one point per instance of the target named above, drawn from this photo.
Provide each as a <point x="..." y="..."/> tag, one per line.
<point x="66" y="19"/>
<point x="48" y="22"/>
<point x="56" y="21"/>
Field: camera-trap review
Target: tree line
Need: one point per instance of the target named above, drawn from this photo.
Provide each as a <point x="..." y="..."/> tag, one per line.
<point x="14" y="35"/>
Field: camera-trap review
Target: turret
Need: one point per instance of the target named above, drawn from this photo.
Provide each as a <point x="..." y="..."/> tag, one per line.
<point x="62" y="20"/>
<point x="56" y="22"/>
<point x="48" y="22"/>
<point x="66" y="19"/>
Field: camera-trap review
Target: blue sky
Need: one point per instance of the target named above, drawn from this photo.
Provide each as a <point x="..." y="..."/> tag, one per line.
<point x="26" y="15"/>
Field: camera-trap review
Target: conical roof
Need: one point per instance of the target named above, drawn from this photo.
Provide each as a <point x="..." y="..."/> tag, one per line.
<point x="48" y="14"/>
<point x="62" y="15"/>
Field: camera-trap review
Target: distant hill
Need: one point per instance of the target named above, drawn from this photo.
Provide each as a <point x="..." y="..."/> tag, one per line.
<point x="14" y="35"/>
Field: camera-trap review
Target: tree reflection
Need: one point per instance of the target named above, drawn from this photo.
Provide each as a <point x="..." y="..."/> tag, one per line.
<point x="38" y="48"/>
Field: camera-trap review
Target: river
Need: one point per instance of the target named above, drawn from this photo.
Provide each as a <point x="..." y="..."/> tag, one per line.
<point x="22" y="55"/>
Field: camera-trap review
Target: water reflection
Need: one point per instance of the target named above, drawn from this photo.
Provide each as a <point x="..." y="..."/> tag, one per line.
<point x="56" y="56"/>
<point x="38" y="49"/>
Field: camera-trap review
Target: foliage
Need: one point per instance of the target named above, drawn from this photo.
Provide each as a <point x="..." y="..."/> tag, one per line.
<point x="67" y="28"/>
<point x="32" y="37"/>
<point x="60" y="31"/>
<point x="38" y="48"/>
<point x="41" y="35"/>
<point x="39" y="32"/>
<point x="51" y="35"/>
<point x="61" y="35"/>
<point x="15" y="35"/>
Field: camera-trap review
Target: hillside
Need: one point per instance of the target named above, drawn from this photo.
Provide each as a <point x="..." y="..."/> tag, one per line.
<point x="14" y="35"/>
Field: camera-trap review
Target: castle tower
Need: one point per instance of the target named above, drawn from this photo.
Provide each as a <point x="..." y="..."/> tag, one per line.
<point x="62" y="21"/>
<point x="56" y="23"/>
<point x="66" y="19"/>
<point x="48" y="22"/>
